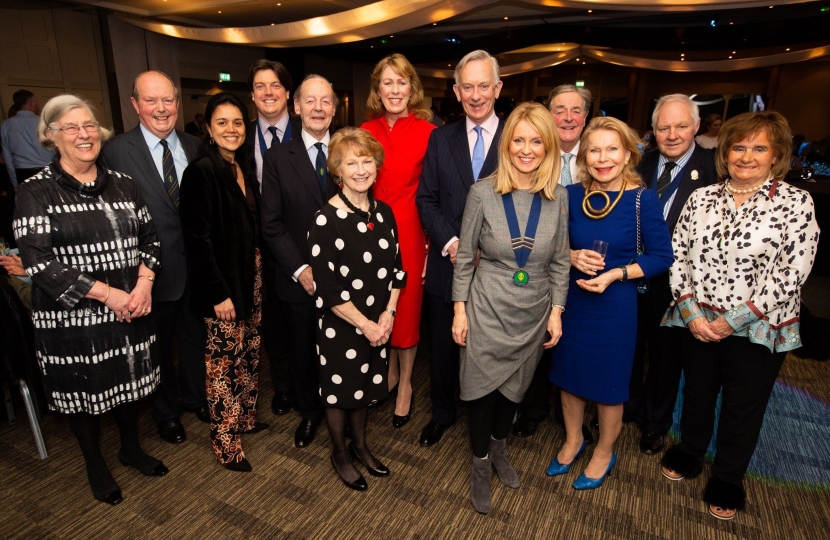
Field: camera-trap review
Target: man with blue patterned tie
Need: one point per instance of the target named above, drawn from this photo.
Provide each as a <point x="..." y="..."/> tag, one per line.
<point x="569" y="107"/>
<point x="155" y="154"/>
<point x="457" y="156"/>
<point x="295" y="185"/>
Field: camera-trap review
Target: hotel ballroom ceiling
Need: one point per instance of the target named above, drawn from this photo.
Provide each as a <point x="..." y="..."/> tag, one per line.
<point x="676" y="35"/>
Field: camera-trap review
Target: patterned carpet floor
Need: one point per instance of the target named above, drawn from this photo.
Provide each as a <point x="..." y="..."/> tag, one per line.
<point x="294" y="493"/>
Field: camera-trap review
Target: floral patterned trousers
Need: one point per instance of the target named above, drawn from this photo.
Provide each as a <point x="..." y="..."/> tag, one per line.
<point x="232" y="362"/>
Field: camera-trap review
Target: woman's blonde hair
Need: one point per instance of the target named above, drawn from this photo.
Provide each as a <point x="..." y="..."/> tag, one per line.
<point x="401" y="66"/>
<point x="56" y="108"/>
<point x="546" y="177"/>
<point x="748" y="126"/>
<point x="357" y="140"/>
<point x="630" y="141"/>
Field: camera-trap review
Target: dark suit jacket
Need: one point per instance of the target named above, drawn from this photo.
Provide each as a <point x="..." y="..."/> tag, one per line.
<point x="128" y="153"/>
<point x="702" y="161"/>
<point x="442" y="193"/>
<point x="251" y="135"/>
<point x="654" y="304"/>
<point x="219" y="234"/>
<point x="290" y="198"/>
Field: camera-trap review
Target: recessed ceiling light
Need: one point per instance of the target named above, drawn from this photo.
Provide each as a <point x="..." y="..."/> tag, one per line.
<point x="272" y="24"/>
<point x="371" y="46"/>
<point x="682" y="59"/>
<point x="218" y="12"/>
<point x="435" y="24"/>
<point x="733" y="52"/>
<point x="771" y="7"/>
<point x="506" y="18"/>
<point x="583" y="63"/>
<point x="682" y="54"/>
<point x="788" y="48"/>
<point x="449" y="65"/>
<point x="590" y="11"/>
<point x="730" y="22"/>
<point x="730" y="56"/>
<point x="577" y="59"/>
<point x="391" y="36"/>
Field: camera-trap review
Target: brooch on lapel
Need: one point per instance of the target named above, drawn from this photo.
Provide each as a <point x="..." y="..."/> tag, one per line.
<point x="695" y="176"/>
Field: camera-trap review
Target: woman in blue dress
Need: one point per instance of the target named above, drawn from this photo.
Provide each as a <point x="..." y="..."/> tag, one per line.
<point x="593" y="359"/>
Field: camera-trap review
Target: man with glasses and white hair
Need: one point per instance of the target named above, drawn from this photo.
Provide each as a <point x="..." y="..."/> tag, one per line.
<point x="675" y="170"/>
<point x="569" y="107"/>
<point x="458" y="155"/>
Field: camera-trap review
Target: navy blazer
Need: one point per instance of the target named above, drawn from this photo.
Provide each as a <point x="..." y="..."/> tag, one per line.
<point x="290" y="198"/>
<point x="292" y="131"/>
<point x="128" y="153"/>
<point x="702" y="161"/>
<point x="442" y="193"/>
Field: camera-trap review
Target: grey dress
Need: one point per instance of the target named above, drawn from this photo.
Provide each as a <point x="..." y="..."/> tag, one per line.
<point x="507" y="324"/>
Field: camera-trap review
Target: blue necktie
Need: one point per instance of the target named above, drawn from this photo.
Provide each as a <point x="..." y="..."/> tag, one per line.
<point x="566" y="170"/>
<point x="478" y="153"/>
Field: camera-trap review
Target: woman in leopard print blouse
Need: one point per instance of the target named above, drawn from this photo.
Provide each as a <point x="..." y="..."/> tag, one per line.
<point x="743" y="249"/>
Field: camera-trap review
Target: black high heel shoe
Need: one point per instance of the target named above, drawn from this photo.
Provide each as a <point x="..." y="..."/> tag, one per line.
<point x="400" y="421"/>
<point x="380" y="470"/>
<point x="155" y="469"/>
<point x="111" y="498"/>
<point x="358" y="485"/>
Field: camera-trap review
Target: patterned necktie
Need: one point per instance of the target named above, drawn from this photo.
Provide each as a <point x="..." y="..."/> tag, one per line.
<point x="566" y="179"/>
<point x="665" y="178"/>
<point x="320" y="168"/>
<point x="478" y="154"/>
<point x="274" y="138"/>
<point x="168" y="169"/>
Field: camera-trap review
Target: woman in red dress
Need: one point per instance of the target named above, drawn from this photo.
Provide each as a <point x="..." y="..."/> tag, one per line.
<point x="400" y="121"/>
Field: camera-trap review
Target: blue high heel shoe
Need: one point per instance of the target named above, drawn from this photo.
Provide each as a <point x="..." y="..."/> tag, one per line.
<point x="583" y="482"/>
<point x="555" y="468"/>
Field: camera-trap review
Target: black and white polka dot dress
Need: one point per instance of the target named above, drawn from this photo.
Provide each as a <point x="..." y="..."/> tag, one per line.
<point x="352" y="262"/>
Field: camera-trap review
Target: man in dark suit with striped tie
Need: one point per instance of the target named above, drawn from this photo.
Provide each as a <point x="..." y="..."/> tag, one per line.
<point x="271" y="85"/>
<point x="675" y="170"/>
<point x="458" y="155"/>
<point x="155" y="154"/>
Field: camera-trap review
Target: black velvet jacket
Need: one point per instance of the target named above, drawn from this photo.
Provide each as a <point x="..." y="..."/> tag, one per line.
<point x="219" y="237"/>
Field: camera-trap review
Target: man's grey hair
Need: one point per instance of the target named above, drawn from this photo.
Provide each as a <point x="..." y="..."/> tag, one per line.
<point x="694" y="110"/>
<point x="584" y="93"/>
<point x="163" y="74"/>
<point x="298" y="93"/>
<point x="55" y="109"/>
<point x="477" y="55"/>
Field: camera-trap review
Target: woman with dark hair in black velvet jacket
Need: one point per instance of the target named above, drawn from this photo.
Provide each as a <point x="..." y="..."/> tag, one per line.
<point x="219" y="208"/>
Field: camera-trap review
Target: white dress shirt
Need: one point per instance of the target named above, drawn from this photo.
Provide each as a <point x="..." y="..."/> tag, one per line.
<point x="157" y="151"/>
<point x="309" y="143"/>
<point x="281" y="126"/>
<point x="488" y="132"/>
<point x="573" y="166"/>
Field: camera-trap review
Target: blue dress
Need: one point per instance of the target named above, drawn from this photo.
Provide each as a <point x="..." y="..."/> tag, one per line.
<point x="593" y="359"/>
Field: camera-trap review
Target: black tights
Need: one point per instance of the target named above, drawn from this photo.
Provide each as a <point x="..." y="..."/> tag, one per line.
<point x="87" y="429"/>
<point x="336" y="421"/>
<point x="489" y="416"/>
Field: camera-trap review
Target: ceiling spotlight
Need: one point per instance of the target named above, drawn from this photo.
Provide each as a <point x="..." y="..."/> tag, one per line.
<point x="590" y="11"/>
<point x="730" y="22"/>
<point x="435" y="24"/>
<point x="449" y="65"/>
<point x="577" y="59"/>
<point x="272" y="24"/>
<point x="682" y="59"/>
<point x="371" y="46"/>
<point x="788" y="48"/>
<point x="730" y="56"/>
<point x="218" y="12"/>
<point x="682" y="54"/>
<point x="771" y="7"/>
<point x="733" y="52"/>
<point x="506" y="18"/>
<point x="391" y="36"/>
<point x="583" y="63"/>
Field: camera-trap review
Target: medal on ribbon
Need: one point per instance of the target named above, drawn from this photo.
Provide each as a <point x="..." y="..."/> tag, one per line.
<point x="522" y="243"/>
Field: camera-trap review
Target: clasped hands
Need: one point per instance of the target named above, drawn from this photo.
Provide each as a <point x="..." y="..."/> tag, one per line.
<point x="590" y="262"/>
<point x="128" y="306"/>
<point x="710" y="332"/>
<point x="378" y="333"/>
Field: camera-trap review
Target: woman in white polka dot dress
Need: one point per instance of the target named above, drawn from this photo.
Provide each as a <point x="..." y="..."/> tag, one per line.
<point x="358" y="275"/>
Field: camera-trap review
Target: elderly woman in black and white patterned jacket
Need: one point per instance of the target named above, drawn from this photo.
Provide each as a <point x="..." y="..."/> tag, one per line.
<point x="89" y="245"/>
<point x="743" y="248"/>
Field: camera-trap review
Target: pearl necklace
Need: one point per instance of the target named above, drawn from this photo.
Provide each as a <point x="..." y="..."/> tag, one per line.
<point x="745" y="190"/>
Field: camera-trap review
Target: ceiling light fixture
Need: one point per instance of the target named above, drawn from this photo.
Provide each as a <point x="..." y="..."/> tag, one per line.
<point x="730" y="22"/>
<point x="788" y="48"/>
<point x="730" y="56"/>
<point x="590" y="11"/>
<point x="218" y="12"/>
<point x="435" y="24"/>
<point x="506" y="18"/>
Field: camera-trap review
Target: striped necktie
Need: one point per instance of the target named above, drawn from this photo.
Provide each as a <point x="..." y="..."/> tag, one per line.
<point x="168" y="169"/>
<point x="665" y="178"/>
<point x="566" y="170"/>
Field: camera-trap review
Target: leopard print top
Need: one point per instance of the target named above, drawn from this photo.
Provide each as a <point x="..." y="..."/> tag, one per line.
<point x="746" y="264"/>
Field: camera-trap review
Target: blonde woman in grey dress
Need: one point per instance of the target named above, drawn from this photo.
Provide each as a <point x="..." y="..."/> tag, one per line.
<point x="508" y="303"/>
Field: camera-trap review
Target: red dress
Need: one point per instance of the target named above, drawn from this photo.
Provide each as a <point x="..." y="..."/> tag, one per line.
<point x="397" y="183"/>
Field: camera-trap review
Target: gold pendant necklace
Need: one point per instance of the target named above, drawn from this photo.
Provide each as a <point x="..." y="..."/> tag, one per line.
<point x="593" y="213"/>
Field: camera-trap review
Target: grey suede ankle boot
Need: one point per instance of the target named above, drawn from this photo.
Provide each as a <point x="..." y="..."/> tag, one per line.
<point x="504" y="470"/>
<point x="480" y="485"/>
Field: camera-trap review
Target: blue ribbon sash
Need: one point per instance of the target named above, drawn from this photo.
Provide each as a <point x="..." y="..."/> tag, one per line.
<point x="522" y="244"/>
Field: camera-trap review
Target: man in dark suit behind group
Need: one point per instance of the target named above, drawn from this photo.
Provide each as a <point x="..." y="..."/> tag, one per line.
<point x="292" y="192"/>
<point x="155" y="154"/>
<point x="458" y="155"/>
<point x="675" y="170"/>
<point x="271" y="85"/>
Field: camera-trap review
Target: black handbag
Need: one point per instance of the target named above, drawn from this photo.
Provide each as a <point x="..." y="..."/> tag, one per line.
<point x="642" y="283"/>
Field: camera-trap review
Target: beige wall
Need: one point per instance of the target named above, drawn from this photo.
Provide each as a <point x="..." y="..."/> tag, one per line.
<point x="50" y="52"/>
<point x="804" y="98"/>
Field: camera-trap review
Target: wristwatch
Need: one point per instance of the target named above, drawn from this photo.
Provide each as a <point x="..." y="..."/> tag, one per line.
<point x="625" y="274"/>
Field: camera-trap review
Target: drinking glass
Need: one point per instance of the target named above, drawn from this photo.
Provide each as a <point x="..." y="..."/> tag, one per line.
<point x="601" y="247"/>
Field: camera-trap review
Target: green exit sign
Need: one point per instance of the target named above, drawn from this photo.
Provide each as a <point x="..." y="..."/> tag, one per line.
<point x="580" y="84"/>
<point x="224" y="77"/>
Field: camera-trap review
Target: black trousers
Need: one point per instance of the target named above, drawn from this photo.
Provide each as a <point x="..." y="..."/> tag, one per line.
<point x="489" y="416"/>
<point x="746" y="372"/>
<point x="443" y="361"/>
<point x="175" y="322"/>
<point x="655" y="376"/>
<point x="535" y="406"/>
<point x="277" y="344"/>
<point x="302" y="327"/>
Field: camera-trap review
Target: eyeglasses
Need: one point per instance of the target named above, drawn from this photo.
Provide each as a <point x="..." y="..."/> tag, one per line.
<point x="72" y="129"/>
